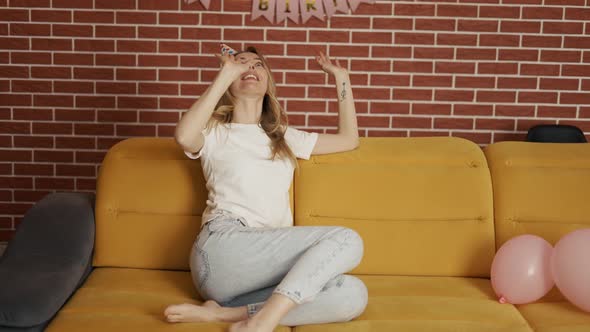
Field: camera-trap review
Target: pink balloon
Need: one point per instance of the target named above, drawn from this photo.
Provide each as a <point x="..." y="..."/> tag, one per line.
<point x="570" y="264"/>
<point x="521" y="270"/>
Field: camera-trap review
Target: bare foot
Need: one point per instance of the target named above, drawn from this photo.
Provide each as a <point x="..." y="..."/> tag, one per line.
<point x="247" y="326"/>
<point x="186" y="312"/>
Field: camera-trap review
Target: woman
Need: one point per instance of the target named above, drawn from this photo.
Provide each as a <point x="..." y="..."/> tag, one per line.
<point x="250" y="264"/>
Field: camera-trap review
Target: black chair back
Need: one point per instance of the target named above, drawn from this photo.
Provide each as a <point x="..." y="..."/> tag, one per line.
<point x="550" y="133"/>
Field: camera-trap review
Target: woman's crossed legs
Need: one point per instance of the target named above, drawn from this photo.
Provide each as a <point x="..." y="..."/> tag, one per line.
<point x="248" y="270"/>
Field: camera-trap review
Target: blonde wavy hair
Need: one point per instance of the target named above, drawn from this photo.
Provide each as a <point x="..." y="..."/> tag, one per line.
<point x="273" y="119"/>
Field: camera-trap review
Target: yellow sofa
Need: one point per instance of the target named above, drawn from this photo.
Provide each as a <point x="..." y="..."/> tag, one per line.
<point x="432" y="212"/>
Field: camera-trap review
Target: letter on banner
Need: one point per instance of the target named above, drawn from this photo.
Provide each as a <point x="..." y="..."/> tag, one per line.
<point x="264" y="8"/>
<point x="311" y="8"/>
<point x="288" y="8"/>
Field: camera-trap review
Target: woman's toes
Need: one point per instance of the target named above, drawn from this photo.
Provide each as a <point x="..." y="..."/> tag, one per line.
<point x="176" y="313"/>
<point x="187" y="312"/>
<point x="174" y="309"/>
<point x="168" y="310"/>
<point x="172" y="318"/>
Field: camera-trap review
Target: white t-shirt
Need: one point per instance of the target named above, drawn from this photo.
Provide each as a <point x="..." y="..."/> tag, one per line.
<point x="242" y="179"/>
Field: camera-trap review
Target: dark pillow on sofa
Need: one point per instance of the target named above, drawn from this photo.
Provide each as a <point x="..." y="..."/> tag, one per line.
<point x="49" y="257"/>
<point x="36" y="328"/>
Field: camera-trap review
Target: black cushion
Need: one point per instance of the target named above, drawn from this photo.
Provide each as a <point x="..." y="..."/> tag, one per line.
<point x="49" y="257"/>
<point x="36" y="328"/>
<point x="550" y="133"/>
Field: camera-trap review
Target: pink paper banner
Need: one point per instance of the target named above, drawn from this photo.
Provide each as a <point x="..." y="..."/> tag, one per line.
<point x="265" y="8"/>
<point x="341" y="5"/>
<point x="205" y="3"/>
<point x="292" y="8"/>
<point x="355" y="3"/>
<point x="288" y="9"/>
<point x="311" y="8"/>
<point x="329" y="7"/>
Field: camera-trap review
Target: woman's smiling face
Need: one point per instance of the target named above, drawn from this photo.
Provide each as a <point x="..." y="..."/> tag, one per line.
<point x="254" y="81"/>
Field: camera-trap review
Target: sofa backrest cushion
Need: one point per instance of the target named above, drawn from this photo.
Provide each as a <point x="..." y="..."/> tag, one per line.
<point x="539" y="188"/>
<point x="149" y="200"/>
<point x="423" y="205"/>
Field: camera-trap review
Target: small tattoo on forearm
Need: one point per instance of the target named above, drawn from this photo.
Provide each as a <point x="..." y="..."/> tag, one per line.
<point x="343" y="93"/>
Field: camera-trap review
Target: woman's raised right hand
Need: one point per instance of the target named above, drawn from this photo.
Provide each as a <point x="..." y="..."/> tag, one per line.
<point x="231" y="66"/>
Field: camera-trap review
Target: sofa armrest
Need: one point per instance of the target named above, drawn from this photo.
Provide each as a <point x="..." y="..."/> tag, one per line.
<point x="49" y="257"/>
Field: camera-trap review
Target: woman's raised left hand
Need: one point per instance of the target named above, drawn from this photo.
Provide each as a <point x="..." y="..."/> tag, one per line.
<point x="328" y="66"/>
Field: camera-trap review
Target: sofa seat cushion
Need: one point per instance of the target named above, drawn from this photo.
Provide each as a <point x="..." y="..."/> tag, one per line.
<point x="554" y="313"/>
<point x="119" y="299"/>
<point x="405" y="303"/>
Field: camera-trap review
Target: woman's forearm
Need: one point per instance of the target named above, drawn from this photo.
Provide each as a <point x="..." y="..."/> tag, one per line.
<point x="194" y="120"/>
<point x="347" y="124"/>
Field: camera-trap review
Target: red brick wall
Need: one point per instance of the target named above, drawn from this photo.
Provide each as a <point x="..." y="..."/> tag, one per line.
<point x="77" y="76"/>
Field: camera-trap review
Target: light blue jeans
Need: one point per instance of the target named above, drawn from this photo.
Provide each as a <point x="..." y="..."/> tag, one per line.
<point x="237" y="265"/>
